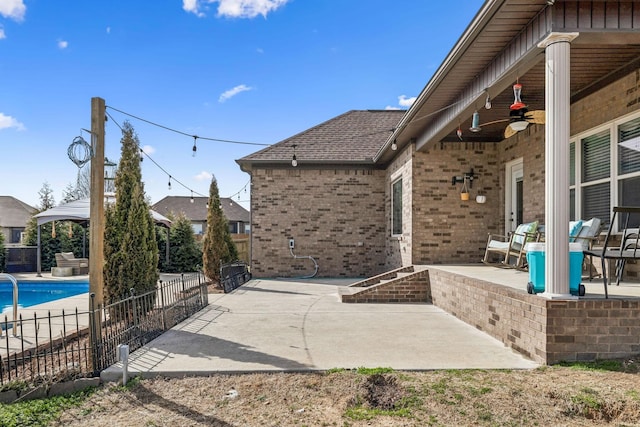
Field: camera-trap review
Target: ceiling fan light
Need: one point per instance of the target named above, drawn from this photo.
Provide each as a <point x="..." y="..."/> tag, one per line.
<point x="519" y="125"/>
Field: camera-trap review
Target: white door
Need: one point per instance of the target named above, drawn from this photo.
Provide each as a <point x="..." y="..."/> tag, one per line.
<point x="514" y="195"/>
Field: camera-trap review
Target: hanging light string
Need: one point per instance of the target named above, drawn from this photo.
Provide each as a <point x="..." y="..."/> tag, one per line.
<point x="195" y="137"/>
<point x="171" y="176"/>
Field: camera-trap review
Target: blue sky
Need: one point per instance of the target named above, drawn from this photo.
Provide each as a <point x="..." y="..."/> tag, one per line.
<point x="256" y="71"/>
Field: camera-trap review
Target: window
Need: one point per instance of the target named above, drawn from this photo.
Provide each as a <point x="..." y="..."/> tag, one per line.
<point x="396" y="208"/>
<point x="604" y="170"/>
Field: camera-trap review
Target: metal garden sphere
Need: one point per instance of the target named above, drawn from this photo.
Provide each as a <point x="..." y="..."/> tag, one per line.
<point x="79" y="151"/>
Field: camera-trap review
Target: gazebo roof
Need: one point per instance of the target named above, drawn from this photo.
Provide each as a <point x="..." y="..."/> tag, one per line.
<point x="78" y="211"/>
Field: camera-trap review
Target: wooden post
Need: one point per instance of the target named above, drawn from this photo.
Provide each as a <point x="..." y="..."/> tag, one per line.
<point x="96" y="222"/>
<point x="96" y="206"/>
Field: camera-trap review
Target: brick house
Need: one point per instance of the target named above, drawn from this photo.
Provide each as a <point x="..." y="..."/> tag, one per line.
<point x="579" y="61"/>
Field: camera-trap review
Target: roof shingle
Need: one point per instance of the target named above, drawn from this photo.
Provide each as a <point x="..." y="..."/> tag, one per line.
<point x="352" y="137"/>
<point x="197" y="211"/>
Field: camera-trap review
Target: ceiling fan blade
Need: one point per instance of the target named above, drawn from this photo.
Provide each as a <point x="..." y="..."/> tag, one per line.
<point x="494" y="122"/>
<point x="536" y="116"/>
<point x="509" y="131"/>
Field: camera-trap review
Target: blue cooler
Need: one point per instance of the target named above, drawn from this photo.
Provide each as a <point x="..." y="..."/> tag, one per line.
<point x="575" y="269"/>
<point x="535" y="259"/>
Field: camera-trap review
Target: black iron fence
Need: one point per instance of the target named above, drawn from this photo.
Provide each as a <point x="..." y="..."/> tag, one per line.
<point x="234" y="275"/>
<point x="51" y="348"/>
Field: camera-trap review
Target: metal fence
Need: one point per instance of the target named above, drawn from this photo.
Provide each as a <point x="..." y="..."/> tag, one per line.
<point x="234" y="275"/>
<point x="52" y="348"/>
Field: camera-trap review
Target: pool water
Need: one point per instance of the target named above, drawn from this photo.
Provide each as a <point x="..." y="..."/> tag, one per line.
<point x="32" y="293"/>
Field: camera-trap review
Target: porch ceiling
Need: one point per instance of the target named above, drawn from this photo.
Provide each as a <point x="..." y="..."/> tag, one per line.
<point x="500" y="47"/>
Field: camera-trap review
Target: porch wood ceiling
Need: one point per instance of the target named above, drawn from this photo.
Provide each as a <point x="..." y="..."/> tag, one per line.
<point x="500" y="47"/>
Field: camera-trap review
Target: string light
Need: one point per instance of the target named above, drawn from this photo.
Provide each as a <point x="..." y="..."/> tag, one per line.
<point x="171" y="177"/>
<point x="294" y="160"/>
<point x="394" y="146"/>
<point x="194" y="149"/>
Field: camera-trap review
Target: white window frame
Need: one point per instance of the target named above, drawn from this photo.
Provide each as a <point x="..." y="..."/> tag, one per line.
<point x="393" y="184"/>
<point x="614" y="177"/>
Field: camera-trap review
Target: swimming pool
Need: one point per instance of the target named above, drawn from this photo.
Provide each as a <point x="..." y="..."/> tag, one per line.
<point x="32" y="293"/>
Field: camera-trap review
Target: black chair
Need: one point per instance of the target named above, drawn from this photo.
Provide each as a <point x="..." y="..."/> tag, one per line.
<point x="629" y="247"/>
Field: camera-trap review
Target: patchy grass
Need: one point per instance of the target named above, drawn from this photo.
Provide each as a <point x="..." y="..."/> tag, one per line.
<point x="40" y="412"/>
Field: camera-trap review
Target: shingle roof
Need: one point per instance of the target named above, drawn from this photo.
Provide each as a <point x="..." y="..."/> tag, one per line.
<point x="352" y="137"/>
<point x="197" y="211"/>
<point x="14" y="213"/>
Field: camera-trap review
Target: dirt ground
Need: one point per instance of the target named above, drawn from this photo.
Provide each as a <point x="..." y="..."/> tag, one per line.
<point x="548" y="396"/>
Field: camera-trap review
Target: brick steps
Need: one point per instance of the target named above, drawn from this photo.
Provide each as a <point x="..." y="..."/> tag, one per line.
<point x="404" y="285"/>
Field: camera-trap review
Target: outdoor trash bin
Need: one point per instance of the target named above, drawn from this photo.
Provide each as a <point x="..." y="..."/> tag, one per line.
<point x="535" y="259"/>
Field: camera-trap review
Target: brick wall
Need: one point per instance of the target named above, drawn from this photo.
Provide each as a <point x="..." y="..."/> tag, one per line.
<point x="528" y="145"/>
<point x="336" y="216"/>
<point x="616" y="100"/>
<point x="447" y="229"/>
<point x="411" y="289"/>
<point x="589" y="330"/>
<point x="545" y="331"/>
<point x="511" y="316"/>
<point x="398" y="248"/>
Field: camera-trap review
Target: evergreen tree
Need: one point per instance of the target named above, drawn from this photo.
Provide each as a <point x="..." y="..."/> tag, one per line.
<point x="131" y="252"/>
<point x="217" y="240"/>
<point x="185" y="254"/>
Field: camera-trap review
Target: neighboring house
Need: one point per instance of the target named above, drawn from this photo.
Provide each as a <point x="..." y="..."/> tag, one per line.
<point x="14" y="216"/>
<point x="195" y="208"/>
<point x="361" y="210"/>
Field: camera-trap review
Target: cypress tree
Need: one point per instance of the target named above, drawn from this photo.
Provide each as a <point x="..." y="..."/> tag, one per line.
<point x="217" y="239"/>
<point x="131" y="252"/>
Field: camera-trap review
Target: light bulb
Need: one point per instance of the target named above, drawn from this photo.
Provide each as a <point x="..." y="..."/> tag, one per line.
<point x="294" y="161"/>
<point x="487" y="103"/>
<point x="394" y="146"/>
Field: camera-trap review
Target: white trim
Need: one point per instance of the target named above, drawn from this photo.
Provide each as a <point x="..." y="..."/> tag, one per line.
<point x="393" y="182"/>
<point x="509" y="169"/>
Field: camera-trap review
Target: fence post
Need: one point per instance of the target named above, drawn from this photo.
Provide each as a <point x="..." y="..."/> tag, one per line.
<point x="183" y="296"/>
<point x="93" y="333"/>
<point x="164" y="314"/>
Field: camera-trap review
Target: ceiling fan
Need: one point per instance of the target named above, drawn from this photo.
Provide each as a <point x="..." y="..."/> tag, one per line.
<point x="519" y="116"/>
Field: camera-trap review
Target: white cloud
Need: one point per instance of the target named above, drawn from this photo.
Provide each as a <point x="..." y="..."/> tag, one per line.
<point x="406" y="102"/>
<point x="2" y="34"/>
<point x="203" y="176"/>
<point x="192" y="6"/>
<point x="7" y="122"/>
<point x="147" y="149"/>
<point x="235" y="8"/>
<point x="63" y="44"/>
<point x="233" y="92"/>
<point x="13" y="9"/>
<point x="389" y="107"/>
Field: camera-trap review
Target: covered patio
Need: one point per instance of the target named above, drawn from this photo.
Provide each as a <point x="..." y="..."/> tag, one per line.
<point x="576" y="64"/>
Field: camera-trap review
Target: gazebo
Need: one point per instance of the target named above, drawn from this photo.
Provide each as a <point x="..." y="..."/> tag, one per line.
<point x="78" y="211"/>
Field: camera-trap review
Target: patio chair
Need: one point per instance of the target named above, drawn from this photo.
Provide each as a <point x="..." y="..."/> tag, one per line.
<point x="587" y="235"/>
<point x="68" y="259"/>
<point x="629" y="247"/>
<point x="512" y="245"/>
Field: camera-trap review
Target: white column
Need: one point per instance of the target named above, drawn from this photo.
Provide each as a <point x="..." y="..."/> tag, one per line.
<point x="557" y="104"/>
